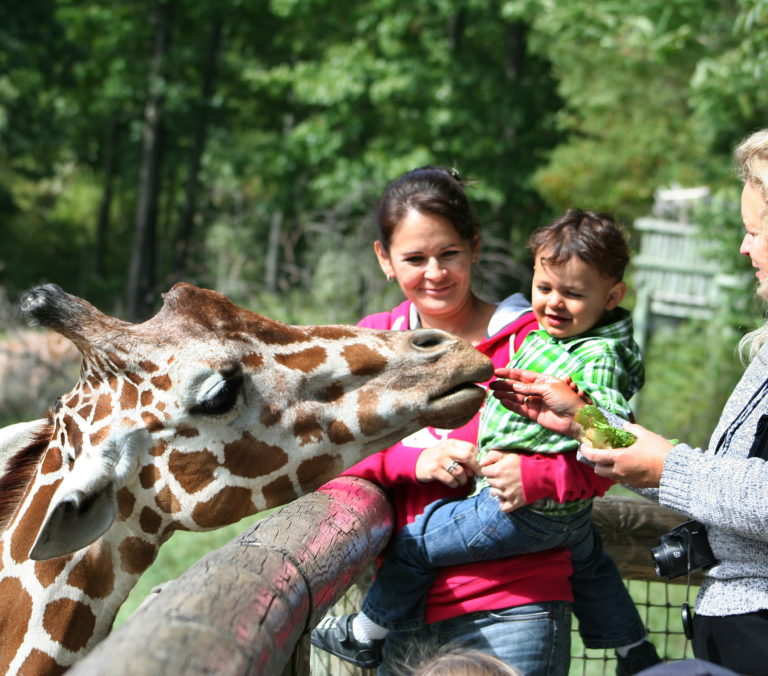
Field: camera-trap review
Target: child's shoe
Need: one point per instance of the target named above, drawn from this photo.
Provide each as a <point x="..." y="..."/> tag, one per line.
<point x="334" y="635"/>
<point x="638" y="658"/>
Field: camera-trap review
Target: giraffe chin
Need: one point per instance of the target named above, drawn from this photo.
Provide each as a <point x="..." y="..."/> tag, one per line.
<point x="456" y="407"/>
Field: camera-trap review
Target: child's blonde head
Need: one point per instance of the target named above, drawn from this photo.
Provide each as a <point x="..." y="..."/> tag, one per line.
<point x="457" y="662"/>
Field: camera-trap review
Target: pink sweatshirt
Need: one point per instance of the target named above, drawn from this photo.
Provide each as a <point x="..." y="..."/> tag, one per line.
<point x="487" y="585"/>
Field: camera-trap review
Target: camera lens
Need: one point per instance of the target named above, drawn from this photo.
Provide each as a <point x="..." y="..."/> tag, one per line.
<point x="669" y="559"/>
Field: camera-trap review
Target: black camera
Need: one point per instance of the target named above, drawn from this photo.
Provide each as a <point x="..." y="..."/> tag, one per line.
<point x="685" y="548"/>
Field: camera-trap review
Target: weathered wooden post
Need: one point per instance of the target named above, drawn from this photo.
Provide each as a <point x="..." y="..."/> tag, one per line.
<point x="242" y="608"/>
<point x="246" y="608"/>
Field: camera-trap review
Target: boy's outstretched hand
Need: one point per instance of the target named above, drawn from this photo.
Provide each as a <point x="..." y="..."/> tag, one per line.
<point x="548" y="400"/>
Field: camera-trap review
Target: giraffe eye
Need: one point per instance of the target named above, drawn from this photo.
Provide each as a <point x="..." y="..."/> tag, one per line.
<point x="222" y="396"/>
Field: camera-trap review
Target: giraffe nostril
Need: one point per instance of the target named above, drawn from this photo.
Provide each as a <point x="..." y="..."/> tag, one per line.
<point x="426" y="339"/>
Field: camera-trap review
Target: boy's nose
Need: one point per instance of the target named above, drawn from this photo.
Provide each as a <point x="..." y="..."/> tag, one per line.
<point x="555" y="300"/>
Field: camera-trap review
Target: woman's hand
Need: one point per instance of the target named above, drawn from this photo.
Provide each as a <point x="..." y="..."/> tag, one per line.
<point x="451" y="461"/>
<point x="548" y="400"/>
<point x="503" y="473"/>
<point x="639" y="465"/>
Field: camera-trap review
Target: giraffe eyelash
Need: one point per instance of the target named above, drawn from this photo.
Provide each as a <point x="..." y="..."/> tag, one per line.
<point x="222" y="397"/>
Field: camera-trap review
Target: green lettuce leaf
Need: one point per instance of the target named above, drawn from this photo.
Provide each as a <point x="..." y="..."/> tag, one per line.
<point x="597" y="430"/>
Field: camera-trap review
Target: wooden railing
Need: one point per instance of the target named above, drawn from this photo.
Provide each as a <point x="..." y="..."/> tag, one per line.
<point x="247" y="607"/>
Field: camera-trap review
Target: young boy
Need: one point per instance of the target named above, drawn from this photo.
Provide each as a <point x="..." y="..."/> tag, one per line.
<point x="579" y="263"/>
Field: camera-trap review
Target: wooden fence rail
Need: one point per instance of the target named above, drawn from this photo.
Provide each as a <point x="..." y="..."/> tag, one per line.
<point x="246" y="608"/>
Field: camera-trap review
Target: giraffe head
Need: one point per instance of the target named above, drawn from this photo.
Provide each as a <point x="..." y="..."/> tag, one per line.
<point x="208" y="412"/>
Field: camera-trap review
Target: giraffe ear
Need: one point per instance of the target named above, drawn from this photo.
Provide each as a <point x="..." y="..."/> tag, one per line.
<point x="85" y="504"/>
<point x="74" y="521"/>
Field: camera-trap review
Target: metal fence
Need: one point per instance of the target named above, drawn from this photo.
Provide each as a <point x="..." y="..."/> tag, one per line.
<point x="658" y="602"/>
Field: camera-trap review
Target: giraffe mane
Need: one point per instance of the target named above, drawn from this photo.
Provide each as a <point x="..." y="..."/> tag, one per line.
<point x="19" y="470"/>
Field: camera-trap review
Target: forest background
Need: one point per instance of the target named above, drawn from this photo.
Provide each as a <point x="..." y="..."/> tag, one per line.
<point x="242" y="146"/>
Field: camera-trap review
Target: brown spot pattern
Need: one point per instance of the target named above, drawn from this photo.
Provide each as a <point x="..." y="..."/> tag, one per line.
<point x="99" y="436"/>
<point x="161" y="382"/>
<point x="332" y="393"/>
<point x="69" y="622"/>
<point x="85" y="411"/>
<point x="315" y="471"/>
<point x="25" y="533"/>
<point x="13" y="626"/>
<point x="305" y="360"/>
<point x="148" y="366"/>
<point x="159" y="448"/>
<point x="307" y="429"/>
<point x="129" y="395"/>
<point x="118" y="362"/>
<point x="148" y="475"/>
<point x="135" y="378"/>
<point x="103" y="407"/>
<point x="94" y="573"/>
<point x="125" y="503"/>
<point x="167" y="501"/>
<point x="278" y="492"/>
<point x="370" y="421"/>
<point x="38" y="662"/>
<point x="253" y="361"/>
<point x="230" y="504"/>
<point x="149" y="520"/>
<point x="47" y="571"/>
<point x="363" y="361"/>
<point x="333" y="332"/>
<point x="146" y="397"/>
<point x="136" y="555"/>
<point x="338" y="433"/>
<point x="270" y="415"/>
<point x="248" y="457"/>
<point x="187" y="431"/>
<point x="194" y="471"/>
<point x="271" y="332"/>
<point x="52" y="461"/>
<point x="74" y="435"/>
<point x="151" y="421"/>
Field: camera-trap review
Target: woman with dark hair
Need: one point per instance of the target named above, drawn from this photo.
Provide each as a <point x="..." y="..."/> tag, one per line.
<point x="516" y="609"/>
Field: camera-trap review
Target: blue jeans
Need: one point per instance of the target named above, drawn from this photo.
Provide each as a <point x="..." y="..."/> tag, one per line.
<point x="453" y="532"/>
<point x="535" y="638"/>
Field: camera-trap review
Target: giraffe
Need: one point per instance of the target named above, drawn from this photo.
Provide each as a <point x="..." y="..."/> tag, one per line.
<point x="202" y="415"/>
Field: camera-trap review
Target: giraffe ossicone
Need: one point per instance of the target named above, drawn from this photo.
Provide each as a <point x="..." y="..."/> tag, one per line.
<point x="192" y="420"/>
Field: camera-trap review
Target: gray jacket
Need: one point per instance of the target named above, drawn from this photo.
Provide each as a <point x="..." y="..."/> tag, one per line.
<point x="728" y="492"/>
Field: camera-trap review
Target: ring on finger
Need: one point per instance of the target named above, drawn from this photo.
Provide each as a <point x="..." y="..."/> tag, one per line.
<point x="451" y="468"/>
<point x="525" y="399"/>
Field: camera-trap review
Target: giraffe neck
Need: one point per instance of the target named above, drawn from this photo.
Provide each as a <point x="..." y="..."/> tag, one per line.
<point x="53" y="612"/>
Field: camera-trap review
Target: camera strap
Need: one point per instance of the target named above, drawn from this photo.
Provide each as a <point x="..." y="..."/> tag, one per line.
<point x="686" y="614"/>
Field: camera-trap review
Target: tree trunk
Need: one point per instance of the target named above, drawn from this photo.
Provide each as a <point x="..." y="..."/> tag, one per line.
<point x="105" y="206"/>
<point x="189" y="209"/>
<point x="141" y="274"/>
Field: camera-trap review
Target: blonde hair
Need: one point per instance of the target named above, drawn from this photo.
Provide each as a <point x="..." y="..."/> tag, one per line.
<point x="457" y="662"/>
<point x="751" y="157"/>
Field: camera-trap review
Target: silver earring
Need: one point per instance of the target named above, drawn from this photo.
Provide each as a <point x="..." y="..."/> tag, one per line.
<point x="390" y="278"/>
